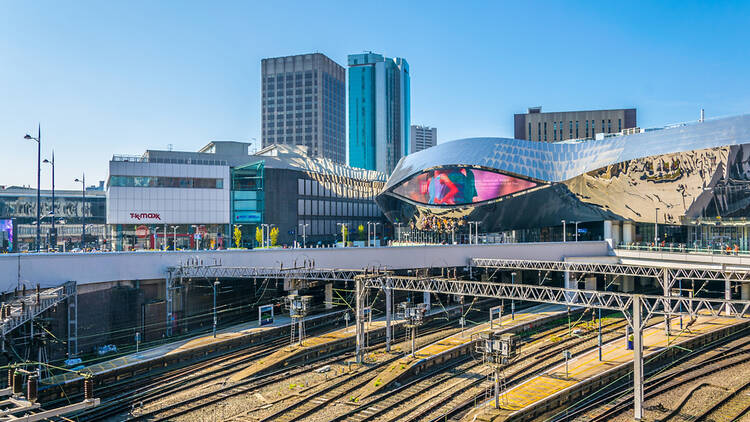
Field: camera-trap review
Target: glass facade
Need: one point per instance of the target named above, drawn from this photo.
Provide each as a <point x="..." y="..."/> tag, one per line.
<point x="165" y="182"/>
<point x="248" y="199"/>
<point x="379" y="111"/>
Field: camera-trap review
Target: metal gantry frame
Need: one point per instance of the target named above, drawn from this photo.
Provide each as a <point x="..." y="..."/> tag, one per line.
<point x="196" y="268"/>
<point x="636" y="308"/>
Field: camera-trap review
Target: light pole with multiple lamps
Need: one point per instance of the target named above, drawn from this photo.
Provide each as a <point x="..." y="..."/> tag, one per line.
<point x="38" y="140"/>
<point x="304" y="234"/>
<point x="53" y="233"/>
<point x="82" y="181"/>
<point x="374" y="232"/>
<point x="174" y="238"/>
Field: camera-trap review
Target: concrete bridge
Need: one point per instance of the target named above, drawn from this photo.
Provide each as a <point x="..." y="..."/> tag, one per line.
<point x="87" y="268"/>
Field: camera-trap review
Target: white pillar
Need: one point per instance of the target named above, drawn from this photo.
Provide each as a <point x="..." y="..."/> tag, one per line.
<point x="745" y="291"/>
<point x="426" y="300"/>
<point x="329" y="296"/>
<point x="616" y="232"/>
<point x="608" y="232"/>
<point x="628" y="232"/>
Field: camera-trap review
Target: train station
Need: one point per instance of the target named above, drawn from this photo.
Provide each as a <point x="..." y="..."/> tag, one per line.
<point x="515" y="286"/>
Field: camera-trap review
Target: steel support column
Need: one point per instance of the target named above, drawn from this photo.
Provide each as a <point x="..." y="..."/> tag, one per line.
<point x="637" y="358"/>
<point x="359" y="318"/>
<point x="73" y="323"/>
<point x="388" y="311"/>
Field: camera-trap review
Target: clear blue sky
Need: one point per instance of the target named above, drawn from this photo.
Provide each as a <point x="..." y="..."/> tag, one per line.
<point x="111" y="77"/>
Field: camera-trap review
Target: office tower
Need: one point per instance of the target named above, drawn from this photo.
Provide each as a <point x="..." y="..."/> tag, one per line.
<point x="422" y="137"/>
<point x="303" y="102"/>
<point x="378" y="111"/>
<point x="564" y="125"/>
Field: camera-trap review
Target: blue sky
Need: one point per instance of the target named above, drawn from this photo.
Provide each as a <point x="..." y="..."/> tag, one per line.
<point x="121" y="77"/>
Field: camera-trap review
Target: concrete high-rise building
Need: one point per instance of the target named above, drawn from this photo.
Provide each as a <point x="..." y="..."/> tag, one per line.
<point x="564" y="125"/>
<point x="379" y="111"/>
<point x="422" y="137"/>
<point x="303" y="100"/>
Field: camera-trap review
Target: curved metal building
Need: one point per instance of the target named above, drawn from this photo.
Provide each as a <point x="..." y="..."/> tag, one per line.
<point x="683" y="175"/>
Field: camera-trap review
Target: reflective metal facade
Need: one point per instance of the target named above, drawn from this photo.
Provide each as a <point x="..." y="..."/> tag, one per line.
<point x="688" y="171"/>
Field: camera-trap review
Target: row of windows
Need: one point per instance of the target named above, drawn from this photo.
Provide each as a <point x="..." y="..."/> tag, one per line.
<point x="345" y="188"/>
<point x="165" y="182"/>
<point x="559" y="127"/>
<point x="336" y="208"/>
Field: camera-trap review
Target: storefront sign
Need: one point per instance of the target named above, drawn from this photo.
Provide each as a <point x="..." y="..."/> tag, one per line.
<point x="145" y="215"/>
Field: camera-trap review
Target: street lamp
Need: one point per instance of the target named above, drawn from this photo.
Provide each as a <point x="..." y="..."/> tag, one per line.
<point x="174" y="237"/>
<point x="53" y="234"/>
<point x="304" y="234"/>
<point x="343" y="238"/>
<point x="656" y="227"/>
<point x="374" y="232"/>
<point x="563" y="221"/>
<point x="577" y="230"/>
<point x="82" y="181"/>
<point x="476" y="229"/>
<point x="216" y="286"/>
<point x="38" y="140"/>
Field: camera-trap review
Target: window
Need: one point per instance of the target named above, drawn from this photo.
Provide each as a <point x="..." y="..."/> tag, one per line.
<point x="554" y="131"/>
<point x="619" y="125"/>
<point x="576" y="129"/>
<point x="593" y="128"/>
<point x="570" y="128"/>
<point x="609" y="126"/>
<point x="545" y="131"/>
<point x="529" y="134"/>
<point x="166" y="182"/>
<point x="539" y="131"/>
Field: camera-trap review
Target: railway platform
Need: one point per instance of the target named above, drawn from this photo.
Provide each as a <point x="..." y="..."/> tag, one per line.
<point x="174" y="353"/>
<point x="459" y="344"/>
<point x="313" y="347"/>
<point x="585" y="372"/>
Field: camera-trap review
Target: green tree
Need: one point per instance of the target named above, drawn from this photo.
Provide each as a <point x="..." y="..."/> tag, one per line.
<point x="259" y="236"/>
<point x="237" y="236"/>
<point x="274" y="235"/>
<point x="361" y="232"/>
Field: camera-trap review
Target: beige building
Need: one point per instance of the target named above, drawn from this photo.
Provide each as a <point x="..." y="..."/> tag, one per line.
<point x="564" y="125"/>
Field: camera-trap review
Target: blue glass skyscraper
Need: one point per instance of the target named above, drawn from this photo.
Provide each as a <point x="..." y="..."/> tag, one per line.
<point x="379" y="111"/>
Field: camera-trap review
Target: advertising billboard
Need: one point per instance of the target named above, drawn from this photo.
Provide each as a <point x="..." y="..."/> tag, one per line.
<point x="460" y="186"/>
<point x="6" y="235"/>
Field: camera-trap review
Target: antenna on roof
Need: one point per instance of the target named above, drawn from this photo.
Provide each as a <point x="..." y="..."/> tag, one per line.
<point x="170" y="147"/>
<point x="703" y="115"/>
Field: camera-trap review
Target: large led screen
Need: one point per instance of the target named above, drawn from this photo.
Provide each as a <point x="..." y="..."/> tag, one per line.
<point x="459" y="186"/>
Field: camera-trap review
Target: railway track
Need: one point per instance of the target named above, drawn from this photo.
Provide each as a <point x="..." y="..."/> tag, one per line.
<point x="462" y="398"/>
<point x="707" y="360"/>
<point x="443" y="385"/>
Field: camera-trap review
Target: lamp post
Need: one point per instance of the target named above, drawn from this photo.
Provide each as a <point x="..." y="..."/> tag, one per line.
<point x="174" y="238"/>
<point x="304" y="234"/>
<point x="216" y="286"/>
<point x="374" y="232"/>
<point x="476" y="229"/>
<point x="38" y="140"/>
<point x="577" y="230"/>
<point x="53" y="235"/>
<point x="82" y="181"/>
<point x="343" y="236"/>
<point x="656" y="227"/>
<point x="563" y="222"/>
<point x="399" y="231"/>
